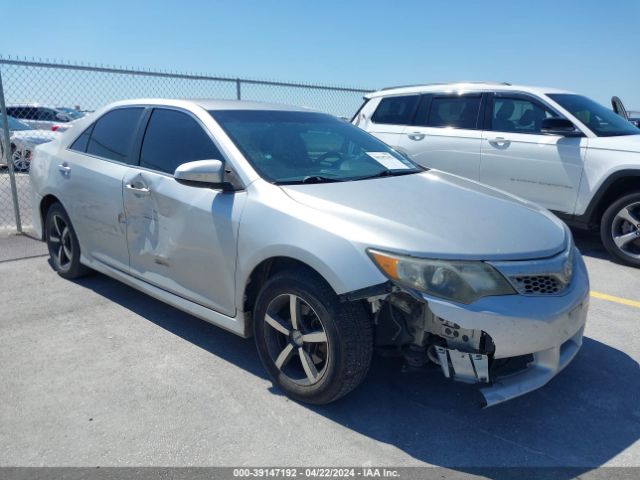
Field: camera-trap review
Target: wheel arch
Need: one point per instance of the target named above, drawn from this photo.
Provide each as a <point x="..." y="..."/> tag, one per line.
<point x="266" y="269"/>
<point x="43" y="208"/>
<point x="620" y="183"/>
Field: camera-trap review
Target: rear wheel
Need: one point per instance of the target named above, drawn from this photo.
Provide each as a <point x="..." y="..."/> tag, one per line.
<point x="314" y="347"/>
<point x="62" y="242"/>
<point x="21" y="159"/>
<point x="620" y="229"/>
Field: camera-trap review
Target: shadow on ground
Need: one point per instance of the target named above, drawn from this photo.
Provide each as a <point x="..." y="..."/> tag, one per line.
<point x="586" y="416"/>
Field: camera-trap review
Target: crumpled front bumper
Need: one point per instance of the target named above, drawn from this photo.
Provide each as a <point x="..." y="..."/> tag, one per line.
<point x="547" y="327"/>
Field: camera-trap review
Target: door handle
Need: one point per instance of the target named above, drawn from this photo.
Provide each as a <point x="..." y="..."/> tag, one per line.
<point x="64" y="168"/>
<point x="416" y="136"/>
<point x="500" y="141"/>
<point x="137" y="188"/>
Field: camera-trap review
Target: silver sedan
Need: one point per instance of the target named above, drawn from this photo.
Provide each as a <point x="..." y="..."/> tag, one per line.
<point x="317" y="239"/>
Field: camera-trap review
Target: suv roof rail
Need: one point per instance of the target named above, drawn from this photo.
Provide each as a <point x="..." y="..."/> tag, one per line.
<point x="443" y="83"/>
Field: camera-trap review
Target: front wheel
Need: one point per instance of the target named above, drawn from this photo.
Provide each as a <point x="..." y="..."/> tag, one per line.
<point x="62" y="242"/>
<point x="314" y="347"/>
<point x="620" y="229"/>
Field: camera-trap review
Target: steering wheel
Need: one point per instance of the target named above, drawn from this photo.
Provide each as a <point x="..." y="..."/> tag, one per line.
<point x="331" y="154"/>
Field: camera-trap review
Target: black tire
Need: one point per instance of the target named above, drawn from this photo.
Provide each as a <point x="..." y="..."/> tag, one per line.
<point x="62" y="242"/>
<point x="341" y="362"/>
<point x="612" y="226"/>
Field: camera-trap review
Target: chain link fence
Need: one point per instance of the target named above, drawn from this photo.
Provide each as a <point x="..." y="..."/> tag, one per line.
<point x="43" y="98"/>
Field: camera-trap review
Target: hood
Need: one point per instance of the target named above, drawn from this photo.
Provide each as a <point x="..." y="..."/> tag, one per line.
<point x="438" y="215"/>
<point x="624" y="143"/>
<point x="34" y="137"/>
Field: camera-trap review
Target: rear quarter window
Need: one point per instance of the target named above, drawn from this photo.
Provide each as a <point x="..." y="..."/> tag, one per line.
<point x="113" y="134"/>
<point x="396" y="110"/>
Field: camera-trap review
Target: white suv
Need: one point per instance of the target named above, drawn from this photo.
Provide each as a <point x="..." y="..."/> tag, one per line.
<point x="561" y="150"/>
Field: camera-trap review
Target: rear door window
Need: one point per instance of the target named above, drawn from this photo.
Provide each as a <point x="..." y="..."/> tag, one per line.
<point x="396" y="110"/>
<point x="173" y="138"/>
<point x="456" y="111"/>
<point x="113" y="134"/>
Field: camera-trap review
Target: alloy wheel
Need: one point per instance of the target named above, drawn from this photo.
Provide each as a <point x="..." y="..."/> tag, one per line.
<point x="625" y="230"/>
<point x="60" y="244"/>
<point x="296" y="339"/>
<point x="20" y="160"/>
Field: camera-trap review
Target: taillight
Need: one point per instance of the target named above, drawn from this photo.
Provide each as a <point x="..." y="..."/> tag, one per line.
<point x="54" y="128"/>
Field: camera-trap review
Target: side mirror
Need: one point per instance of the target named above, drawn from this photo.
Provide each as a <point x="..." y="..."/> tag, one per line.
<point x="559" y="126"/>
<point x="201" y="173"/>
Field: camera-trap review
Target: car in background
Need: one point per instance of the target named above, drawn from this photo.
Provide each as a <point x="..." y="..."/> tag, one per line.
<point x="316" y="238"/>
<point x="619" y="108"/>
<point x="23" y="142"/>
<point x="41" y="117"/>
<point x="558" y="149"/>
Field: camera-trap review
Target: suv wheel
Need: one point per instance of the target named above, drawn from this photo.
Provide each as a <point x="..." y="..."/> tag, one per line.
<point x="62" y="243"/>
<point x="620" y="229"/>
<point x="314" y="347"/>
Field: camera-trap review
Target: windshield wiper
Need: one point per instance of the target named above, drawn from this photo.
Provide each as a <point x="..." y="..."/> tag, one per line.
<point x="311" y="179"/>
<point x="391" y="173"/>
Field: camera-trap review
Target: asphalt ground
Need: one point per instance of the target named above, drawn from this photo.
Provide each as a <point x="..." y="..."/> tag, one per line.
<point x="94" y="373"/>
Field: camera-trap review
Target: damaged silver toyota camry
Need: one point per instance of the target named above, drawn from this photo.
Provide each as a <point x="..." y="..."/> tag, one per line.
<point x="317" y="239"/>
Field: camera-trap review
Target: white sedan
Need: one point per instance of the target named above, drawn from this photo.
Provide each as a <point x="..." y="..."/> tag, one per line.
<point x="23" y="141"/>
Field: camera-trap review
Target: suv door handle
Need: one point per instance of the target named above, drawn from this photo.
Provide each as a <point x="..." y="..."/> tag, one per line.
<point x="416" y="136"/>
<point x="500" y="141"/>
<point x="137" y="188"/>
<point x="64" y="168"/>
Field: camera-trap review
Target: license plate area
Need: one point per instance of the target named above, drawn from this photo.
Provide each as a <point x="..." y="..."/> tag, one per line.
<point x="463" y="366"/>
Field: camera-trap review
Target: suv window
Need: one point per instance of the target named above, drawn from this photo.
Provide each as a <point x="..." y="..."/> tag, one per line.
<point x="396" y="110"/>
<point x="26" y="113"/>
<point x="173" y="138"/>
<point x="518" y="115"/>
<point x="113" y="133"/>
<point x="457" y="111"/>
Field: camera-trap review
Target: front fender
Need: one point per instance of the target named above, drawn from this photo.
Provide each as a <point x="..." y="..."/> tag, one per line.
<point x="281" y="227"/>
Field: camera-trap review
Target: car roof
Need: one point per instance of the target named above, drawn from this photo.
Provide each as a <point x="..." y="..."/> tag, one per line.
<point x="213" y="104"/>
<point x="31" y="105"/>
<point x="463" y="87"/>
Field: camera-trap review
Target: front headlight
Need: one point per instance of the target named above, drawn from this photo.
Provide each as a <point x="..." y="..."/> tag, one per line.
<point x="460" y="281"/>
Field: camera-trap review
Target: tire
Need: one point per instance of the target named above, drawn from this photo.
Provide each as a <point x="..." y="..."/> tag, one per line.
<point x="620" y="229"/>
<point x="333" y="367"/>
<point x="62" y="242"/>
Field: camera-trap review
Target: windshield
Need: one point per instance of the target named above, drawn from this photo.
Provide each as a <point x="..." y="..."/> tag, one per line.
<point x="16" y="125"/>
<point x="307" y="147"/>
<point x="602" y="121"/>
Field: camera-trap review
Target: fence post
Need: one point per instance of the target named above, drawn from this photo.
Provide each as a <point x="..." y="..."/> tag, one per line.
<point x="8" y="156"/>
<point x="238" y="95"/>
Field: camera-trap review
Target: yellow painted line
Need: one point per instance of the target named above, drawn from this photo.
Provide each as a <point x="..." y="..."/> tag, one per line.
<point x="611" y="298"/>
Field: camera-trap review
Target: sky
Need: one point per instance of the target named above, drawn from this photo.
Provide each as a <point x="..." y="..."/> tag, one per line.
<point x="589" y="46"/>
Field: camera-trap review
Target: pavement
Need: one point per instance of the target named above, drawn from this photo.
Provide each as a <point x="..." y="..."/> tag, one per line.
<point x="94" y="373"/>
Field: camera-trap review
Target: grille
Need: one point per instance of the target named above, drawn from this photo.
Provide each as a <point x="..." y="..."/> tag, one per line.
<point x="538" y="284"/>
